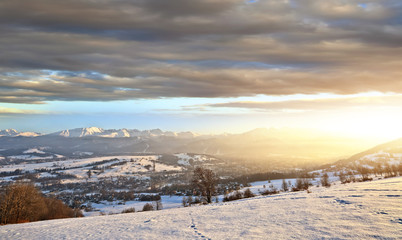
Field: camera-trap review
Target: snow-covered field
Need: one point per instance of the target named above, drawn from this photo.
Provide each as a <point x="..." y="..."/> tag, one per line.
<point x="114" y="208"/>
<point x="368" y="210"/>
<point x="79" y="167"/>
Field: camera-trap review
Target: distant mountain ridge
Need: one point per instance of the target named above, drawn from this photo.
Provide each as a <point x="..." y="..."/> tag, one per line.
<point x="272" y="147"/>
<point x="14" y="133"/>
<point x="100" y="132"/>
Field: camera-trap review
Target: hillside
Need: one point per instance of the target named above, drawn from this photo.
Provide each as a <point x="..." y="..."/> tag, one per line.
<point x="387" y="153"/>
<point x="368" y="210"/>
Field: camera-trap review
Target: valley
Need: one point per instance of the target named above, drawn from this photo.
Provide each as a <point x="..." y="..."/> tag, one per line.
<point x="80" y="170"/>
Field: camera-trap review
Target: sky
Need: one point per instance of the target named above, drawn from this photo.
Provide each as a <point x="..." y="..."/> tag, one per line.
<point x="208" y="66"/>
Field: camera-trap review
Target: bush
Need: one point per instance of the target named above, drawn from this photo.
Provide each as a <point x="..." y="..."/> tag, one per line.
<point x="248" y="193"/>
<point x="301" y="184"/>
<point x="188" y="201"/>
<point x="184" y="202"/>
<point x="325" y="180"/>
<point x="148" y="207"/>
<point x="56" y="209"/>
<point x="233" y="196"/>
<point x="346" y="177"/>
<point x="149" y="198"/>
<point x="22" y="202"/>
<point x="285" y="185"/>
<point x="270" y="191"/>
<point x="128" y="210"/>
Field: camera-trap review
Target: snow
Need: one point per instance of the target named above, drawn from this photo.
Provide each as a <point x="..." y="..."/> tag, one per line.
<point x="184" y="158"/>
<point x="381" y="157"/>
<point x="133" y="165"/>
<point x="46" y="175"/>
<point x="8" y="132"/>
<point x="80" y="132"/>
<point x="13" y="133"/>
<point x="34" y="150"/>
<point x="105" y="207"/>
<point x="30" y="157"/>
<point x="258" y="187"/>
<point x="84" y="153"/>
<point x="117" y="133"/>
<point x="183" y="162"/>
<point x="368" y="210"/>
<point x="29" y="134"/>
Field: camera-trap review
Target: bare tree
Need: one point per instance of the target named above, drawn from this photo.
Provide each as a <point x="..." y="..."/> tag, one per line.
<point x="157" y="205"/>
<point x="205" y="180"/>
<point x="285" y="185"/>
<point x="21" y="203"/>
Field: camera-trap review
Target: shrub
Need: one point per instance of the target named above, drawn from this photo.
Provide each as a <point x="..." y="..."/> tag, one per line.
<point x="148" y="197"/>
<point x="248" y="193"/>
<point x="56" y="209"/>
<point x="22" y="202"/>
<point x="184" y="202"/>
<point x="269" y="192"/>
<point x="285" y="185"/>
<point x="301" y="184"/>
<point x="128" y="210"/>
<point x="325" y="180"/>
<point x="148" y="207"/>
<point x="188" y="201"/>
<point x="233" y="196"/>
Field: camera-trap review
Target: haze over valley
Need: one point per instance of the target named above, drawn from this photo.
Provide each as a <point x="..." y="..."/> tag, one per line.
<point x="201" y="119"/>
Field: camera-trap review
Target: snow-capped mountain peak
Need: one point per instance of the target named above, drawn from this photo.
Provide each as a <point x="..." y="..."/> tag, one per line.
<point x="120" y="133"/>
<point x="14" y="133"/>
<point x="9" y="132"/>
<point x="100" y="132"/>
<point x="80" y="132"/>
<point x="91" y="131"/>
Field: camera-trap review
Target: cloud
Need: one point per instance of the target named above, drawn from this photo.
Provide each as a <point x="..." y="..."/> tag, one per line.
<point x="13" y="111"/>
<point x="323" y="104"/>
<point x="107" y="50"/>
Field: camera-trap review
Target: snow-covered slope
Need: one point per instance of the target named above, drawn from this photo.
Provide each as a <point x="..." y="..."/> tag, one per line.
<point x="80" y="132"/>
<point x="368" y="210"/>
<point x="388" y="153"/>
<point x="14" y="133"/>
<point x="117" y="133"/>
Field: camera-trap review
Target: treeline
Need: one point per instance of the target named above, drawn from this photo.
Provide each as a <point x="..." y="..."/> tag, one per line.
<point x="22" y="202"/>
<point x="271" y="175"/>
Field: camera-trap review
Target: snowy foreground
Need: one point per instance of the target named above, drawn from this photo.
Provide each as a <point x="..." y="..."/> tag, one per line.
<point x="370" y="210"/>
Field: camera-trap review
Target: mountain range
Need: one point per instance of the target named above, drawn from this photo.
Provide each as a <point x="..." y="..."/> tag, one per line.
<point x="271" y="147"/>
<point x="14" y="133"/>
<point x="100" y="132"/>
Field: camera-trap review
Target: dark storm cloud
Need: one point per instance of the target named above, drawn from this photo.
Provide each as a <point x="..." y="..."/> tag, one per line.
<point x="104" y="50"/>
